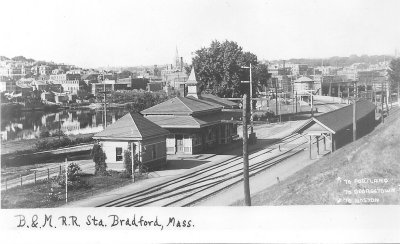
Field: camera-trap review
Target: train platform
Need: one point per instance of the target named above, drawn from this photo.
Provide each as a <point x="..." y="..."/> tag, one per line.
<point x="179" y="165"/>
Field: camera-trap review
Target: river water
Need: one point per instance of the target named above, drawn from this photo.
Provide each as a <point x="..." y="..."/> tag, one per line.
<point x="28" y="125"/>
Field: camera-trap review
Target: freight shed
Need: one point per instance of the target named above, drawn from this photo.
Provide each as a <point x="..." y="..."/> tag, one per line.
<point x="336" y="127"/>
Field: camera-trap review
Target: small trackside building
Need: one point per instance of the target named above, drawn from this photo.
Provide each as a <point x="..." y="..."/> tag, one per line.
<point x="337" y="126"/>
<point x="133" y="130"/>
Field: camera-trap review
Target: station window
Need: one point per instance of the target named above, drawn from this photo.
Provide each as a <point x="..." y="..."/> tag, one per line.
<point x="118" y="154"/>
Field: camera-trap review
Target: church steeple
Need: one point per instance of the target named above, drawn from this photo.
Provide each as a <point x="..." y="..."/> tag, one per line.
<point x="192" y="85"/>
<point x="177" y="59"/>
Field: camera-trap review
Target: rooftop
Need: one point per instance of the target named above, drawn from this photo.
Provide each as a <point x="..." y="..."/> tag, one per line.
<point x="303" y="79"/>
<point x="342" y="118"/>
<point x="182" y="106"/>
<point x="132" y="126"/>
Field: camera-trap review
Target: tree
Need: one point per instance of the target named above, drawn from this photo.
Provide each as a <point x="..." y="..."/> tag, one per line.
<point x="394" y="73"/>
<point x="99" y="158"/>
<point x="124" y="74"/>
<point x="218" y="69"/>
<point x="260" y="73"/>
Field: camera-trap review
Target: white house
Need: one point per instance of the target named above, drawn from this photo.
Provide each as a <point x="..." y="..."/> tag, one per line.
<point x="133" y="130"/>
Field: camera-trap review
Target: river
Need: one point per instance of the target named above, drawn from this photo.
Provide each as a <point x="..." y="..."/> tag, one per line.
<point x="29" y="125"/>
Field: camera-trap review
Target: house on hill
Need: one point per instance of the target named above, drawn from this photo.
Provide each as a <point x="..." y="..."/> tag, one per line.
<point x="337" y="125"/>
<point x="133" y="130"/>
<point x="195" y="122"/>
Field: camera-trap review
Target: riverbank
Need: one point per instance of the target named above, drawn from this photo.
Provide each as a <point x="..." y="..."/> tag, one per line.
<point x="9" y="147"/>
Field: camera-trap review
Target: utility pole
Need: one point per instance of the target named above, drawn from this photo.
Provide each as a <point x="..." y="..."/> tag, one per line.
<point x="133" y="161"/>
<point x="354" y="114"/>
<point x="387" y="96"/>
<point x="59" y="125"/>
<point x="312" y="104"/>
<point x="101" y="77"/>
<point x="245" y="155"/>
<point x="382" y="116"/>
<point x="66" y="180"/>
<point x="251" y="103"/>
<point x="105" y="106"/>
<point x="293" y="100"/>
<point x="276" y="97"/>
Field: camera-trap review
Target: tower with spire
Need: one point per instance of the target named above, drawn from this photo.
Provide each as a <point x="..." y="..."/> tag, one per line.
<point x="177" y="59"/>
<point x="192" y="85"/>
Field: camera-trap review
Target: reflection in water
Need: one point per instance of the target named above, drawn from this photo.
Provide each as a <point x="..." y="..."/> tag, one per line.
<point x="29" y="124"/>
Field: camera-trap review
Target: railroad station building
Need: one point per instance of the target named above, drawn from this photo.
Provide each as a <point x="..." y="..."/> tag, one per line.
<point x="196" y="121"/>
<point x="133" y="130"/>
<point x="336" y="127"/>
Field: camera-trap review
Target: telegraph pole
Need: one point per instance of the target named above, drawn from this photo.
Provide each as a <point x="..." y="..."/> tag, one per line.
<point x="354" y="114"/>
<point x="382" y="116"/>
<point x="251" y="103"/>
<point x="66" y="180"/>
<point x="251" y="96"/>
<point x="245" y="155"/>
<point x="252" y="134"/>
<point x="133" y="162"/>
<point x="276" y="97"/>
<point x="387" y="91"/>
<point x="105" y="105"/>
<point x="101" y="77"/>
<point x="312" y="104"/>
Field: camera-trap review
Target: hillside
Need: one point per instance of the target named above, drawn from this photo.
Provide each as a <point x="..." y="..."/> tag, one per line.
<point x="364" y="172"/>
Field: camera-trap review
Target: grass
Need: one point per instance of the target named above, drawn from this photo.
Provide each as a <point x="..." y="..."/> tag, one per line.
<point x="375" y="156"/>
<point x="39" y="195"/>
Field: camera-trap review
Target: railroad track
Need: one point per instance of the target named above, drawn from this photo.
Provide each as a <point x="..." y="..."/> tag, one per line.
<point x="188" y="189"/>
<point x="394" y="113"/>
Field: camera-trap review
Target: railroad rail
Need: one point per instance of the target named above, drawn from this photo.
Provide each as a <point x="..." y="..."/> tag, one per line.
<point x="191" y="188"/>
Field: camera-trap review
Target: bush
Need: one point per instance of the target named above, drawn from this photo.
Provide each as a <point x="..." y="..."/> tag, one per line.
<point x="74" y="180"/>
<point x="44" y="134"/>
<point x="99" y="158"/>
<point x="58" y="133"/>
<point x="63" y="142"/>
<point x="128" y="161"/>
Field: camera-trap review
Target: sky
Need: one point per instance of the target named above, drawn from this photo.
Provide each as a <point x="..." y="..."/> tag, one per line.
<point x="92" y="33"/>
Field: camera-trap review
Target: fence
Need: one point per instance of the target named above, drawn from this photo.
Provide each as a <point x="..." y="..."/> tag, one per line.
<point x="91" y="184"/>
<point x="29" y="177"/>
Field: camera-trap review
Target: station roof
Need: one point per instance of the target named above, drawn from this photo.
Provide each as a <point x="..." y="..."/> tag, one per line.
<point x="187" y="121"/>
<point x="132" y="126"/>
<point x="220" y="101"/>
<point x="339" y="119"/>
<point x="182" y="106"/>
